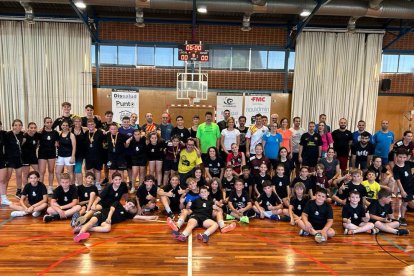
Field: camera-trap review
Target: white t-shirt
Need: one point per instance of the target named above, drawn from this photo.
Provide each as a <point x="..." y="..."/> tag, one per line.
<point x="230" y="137"/>
<point x="296" y="134"/>
<point x="255" y="135"/>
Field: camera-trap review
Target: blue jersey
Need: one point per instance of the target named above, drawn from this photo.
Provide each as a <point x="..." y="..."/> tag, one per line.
<point x="272" y="146"/>
<point x="383" y="142"/>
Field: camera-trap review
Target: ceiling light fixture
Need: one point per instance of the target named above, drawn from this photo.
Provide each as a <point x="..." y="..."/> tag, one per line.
<point x="305" y="13"/>
<point x="80" y="4"/>
<point x="202" y="9"/>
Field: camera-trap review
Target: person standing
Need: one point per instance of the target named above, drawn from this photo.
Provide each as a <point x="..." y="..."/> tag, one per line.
<point x="322" y="119"/>
<point x="342" y="139"/>
<point x="89" y="109"/>
<point x="383" y="140"/>
<point x="149" y="125"/>
<point x="254" y="135"/>
<point x="297" y="132"/>
<point x="356" y="135"/>
<point x="243" y="131"/>
<point x="179" y="130"/>
<point x="208" y="135"/>
<point x="310" y="147"/>
<point x="166" y="127"/>
<point x="223" y="124"/>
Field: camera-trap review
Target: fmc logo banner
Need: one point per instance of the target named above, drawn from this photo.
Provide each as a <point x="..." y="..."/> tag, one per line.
<point x="124" y="103"/>
<point x="232" y="103"/>
<point x="256" y="104"/>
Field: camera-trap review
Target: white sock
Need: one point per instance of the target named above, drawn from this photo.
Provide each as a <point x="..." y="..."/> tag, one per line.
<point x="267" y="214"/>
<point x="207" y="233"/>
<point x="180" y="223"/>
<point x="185" y="233"/>
<point x="168" y="209"/>
<point x="221" y="224"/>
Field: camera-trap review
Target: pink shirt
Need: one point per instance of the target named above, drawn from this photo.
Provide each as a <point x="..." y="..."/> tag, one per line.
<point x="286" y="136"/>
<point x="326" y="141"/>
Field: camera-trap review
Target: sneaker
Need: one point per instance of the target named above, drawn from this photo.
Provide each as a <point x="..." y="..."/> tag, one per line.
<point x="402" y="221"/>
<point x="47" y="218"/>
<point x="49" y="190"/>
<point x="175" y="234"/>
<point x="303" y="233"/>
<point x="80" y="221"/>
<point x="36" y="214"/>
<point x="81" y="237"/>
<point x="132" y="190"/>
<point x="171" y="215"/>
<point x="245" y="219"/>
<point x="275" y="217"/>
<point x="98" y="186"/>
<point x="172" y="224"/>
<point x="402" y="232"/>
<point x="5" y="201"/>
<point x="393" y="195"/>
<point x="203" y="237"/>
<point x="374" y="231"/>
<point x="399" y="195"/>
<point x="319" y="238"/>
<point x="348" y="231"/>
<point x="74" y="219"/>
<point x="18" y="193"/>
<point x="77" y="229"/>
<point x="285" y="218"/>
<point x="18" y="214"/>
<point x="181" y="237"/>
<point x="228" y="228"/>
<point x="229" y="217"/>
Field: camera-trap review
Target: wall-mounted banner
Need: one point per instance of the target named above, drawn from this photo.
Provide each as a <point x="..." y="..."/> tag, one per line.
<point x="124" y="103"/>
<point x="254" y="104"/>
<point x="232" y="103"/>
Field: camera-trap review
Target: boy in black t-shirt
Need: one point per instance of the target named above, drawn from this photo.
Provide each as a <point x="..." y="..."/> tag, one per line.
<point x="87" y="192"/>
<point x="297" y="203"/>
<point x="269" y="205"/>
<point x="147" y="195"/>
<point x="354" y="185"/>
<point x="261" y="177"/>
<point x="64" y="202"/>
<point x="34" y="198"/>
<point x="317" y="218"/>
<point x="305" y="178"/>
<point x="228" y="182"/>
<point x="201" y="216"/>
<point x="355" y="219"/>
<point x="170" y="196"/>
<point x="102" y="220"/>
<point x="239" y="203"/>
<point x="381" y="214"/>
<point x="405" y="182"/>
<point x="248" y="180"/>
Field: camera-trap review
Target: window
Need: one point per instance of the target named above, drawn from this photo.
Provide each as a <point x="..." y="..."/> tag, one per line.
<point x="291" y="62"/>
<point x="108" y="54"/>
<point x="177" y="63"/>
<point x="240" y="59"/>
<point x="126" y="55"/>
<point x="258" y="59"/>
<point x="93" y="55"/>
<point x="389" y="63"/>
<point x="276" y="60"/>
<point x="221" y="58"/>
<point x="406" y="64"/>
<point x="146" y="56"/>
<point x="164" y="56"/>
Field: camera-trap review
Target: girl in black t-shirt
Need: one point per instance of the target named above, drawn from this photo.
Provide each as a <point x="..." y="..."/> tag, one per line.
<point x="87" y="193"/>
<point x="47" y="152"/>
<point x="297" y="203"/>
<point x="198" y="176"/>
<point x="172" y="155"/>
<point x="66" y="152"/>
<point x="3" y="169"/>
<point x="13" y="151"/>
<point x="138" y="158"/>
<point x="214" y="166"/>
<point x="34" y="198"/>
<point x="29" y="150"/>
<point x="155" y="154"/>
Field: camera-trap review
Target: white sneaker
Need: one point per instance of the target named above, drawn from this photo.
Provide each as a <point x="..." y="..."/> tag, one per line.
<point x="49" y="190"/>
<point x="98" y="186"/>
<point x="5" y="201"/>
<point x="18" y="213"/>
<point x="132" y="190"/>
<point x="36" y="214"/>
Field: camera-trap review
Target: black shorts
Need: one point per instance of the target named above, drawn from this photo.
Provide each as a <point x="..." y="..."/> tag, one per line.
<point x="200" y="219"/>
<point x="29" y="160"/>
<point x="318" y="226"/>
<point x="14" y="163"/>
<point x="2" y="164"/>
<point x="175" y="206"/>
<point x="310" y="162"/>
<point x="409" y="197"/>
<point x="100" y="218"/>
<point x="170" y="165"/>
<point x="47" y="155"/>
<point x="295" y="158"/>
<point x="128" y="159"/>
<point x="93" y="164"/>
<point x="138" y="161"/>
<point x="117" y="164"/>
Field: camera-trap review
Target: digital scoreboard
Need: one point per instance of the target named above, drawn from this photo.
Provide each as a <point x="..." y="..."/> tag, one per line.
<point x="193" y="52"/>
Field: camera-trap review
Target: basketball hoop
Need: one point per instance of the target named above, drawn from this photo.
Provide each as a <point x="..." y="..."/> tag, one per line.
<point x="193" y="100"/>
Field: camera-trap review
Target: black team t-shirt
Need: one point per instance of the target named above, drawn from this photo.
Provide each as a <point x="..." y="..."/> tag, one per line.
<point x="318" y="215"/>
<point x="354" y="213"/>
<point x="142" y="193"/>
<point x="94" y="145"/>
<point x="281" y="184"/>
<point x="119" y="215"/>
<point x="239" y="201"/>
<point x="202" y="207"/>
<point x="109" y="195"/>
<point x="63" y="197"/>
<point x="84" y="192"/>
<point x="405" y="176"/>
<point x="34" y="194"/>
<point x="376" y="209"/>
<point x="228" y="185"/>
<point x="298" y="205"/>
<point x="265" y="201"/>
<point x="259" y="179"/>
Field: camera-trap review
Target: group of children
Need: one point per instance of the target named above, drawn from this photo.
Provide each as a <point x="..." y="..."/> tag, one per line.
<point x="304" y="202"/>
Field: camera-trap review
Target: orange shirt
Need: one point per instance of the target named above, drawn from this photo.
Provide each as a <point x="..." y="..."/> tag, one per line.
<point x="286" y="136"/>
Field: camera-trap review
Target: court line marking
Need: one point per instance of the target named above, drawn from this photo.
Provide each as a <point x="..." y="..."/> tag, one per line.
<point x="297" y="251"/>
<point x="194" y="258"/>
<point x="395" y="244"/>
<point x="190" y="255"/>
<point x="6" y="221"/>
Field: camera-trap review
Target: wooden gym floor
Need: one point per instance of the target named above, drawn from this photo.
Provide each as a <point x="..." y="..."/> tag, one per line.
<point x="30" y="247"/>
